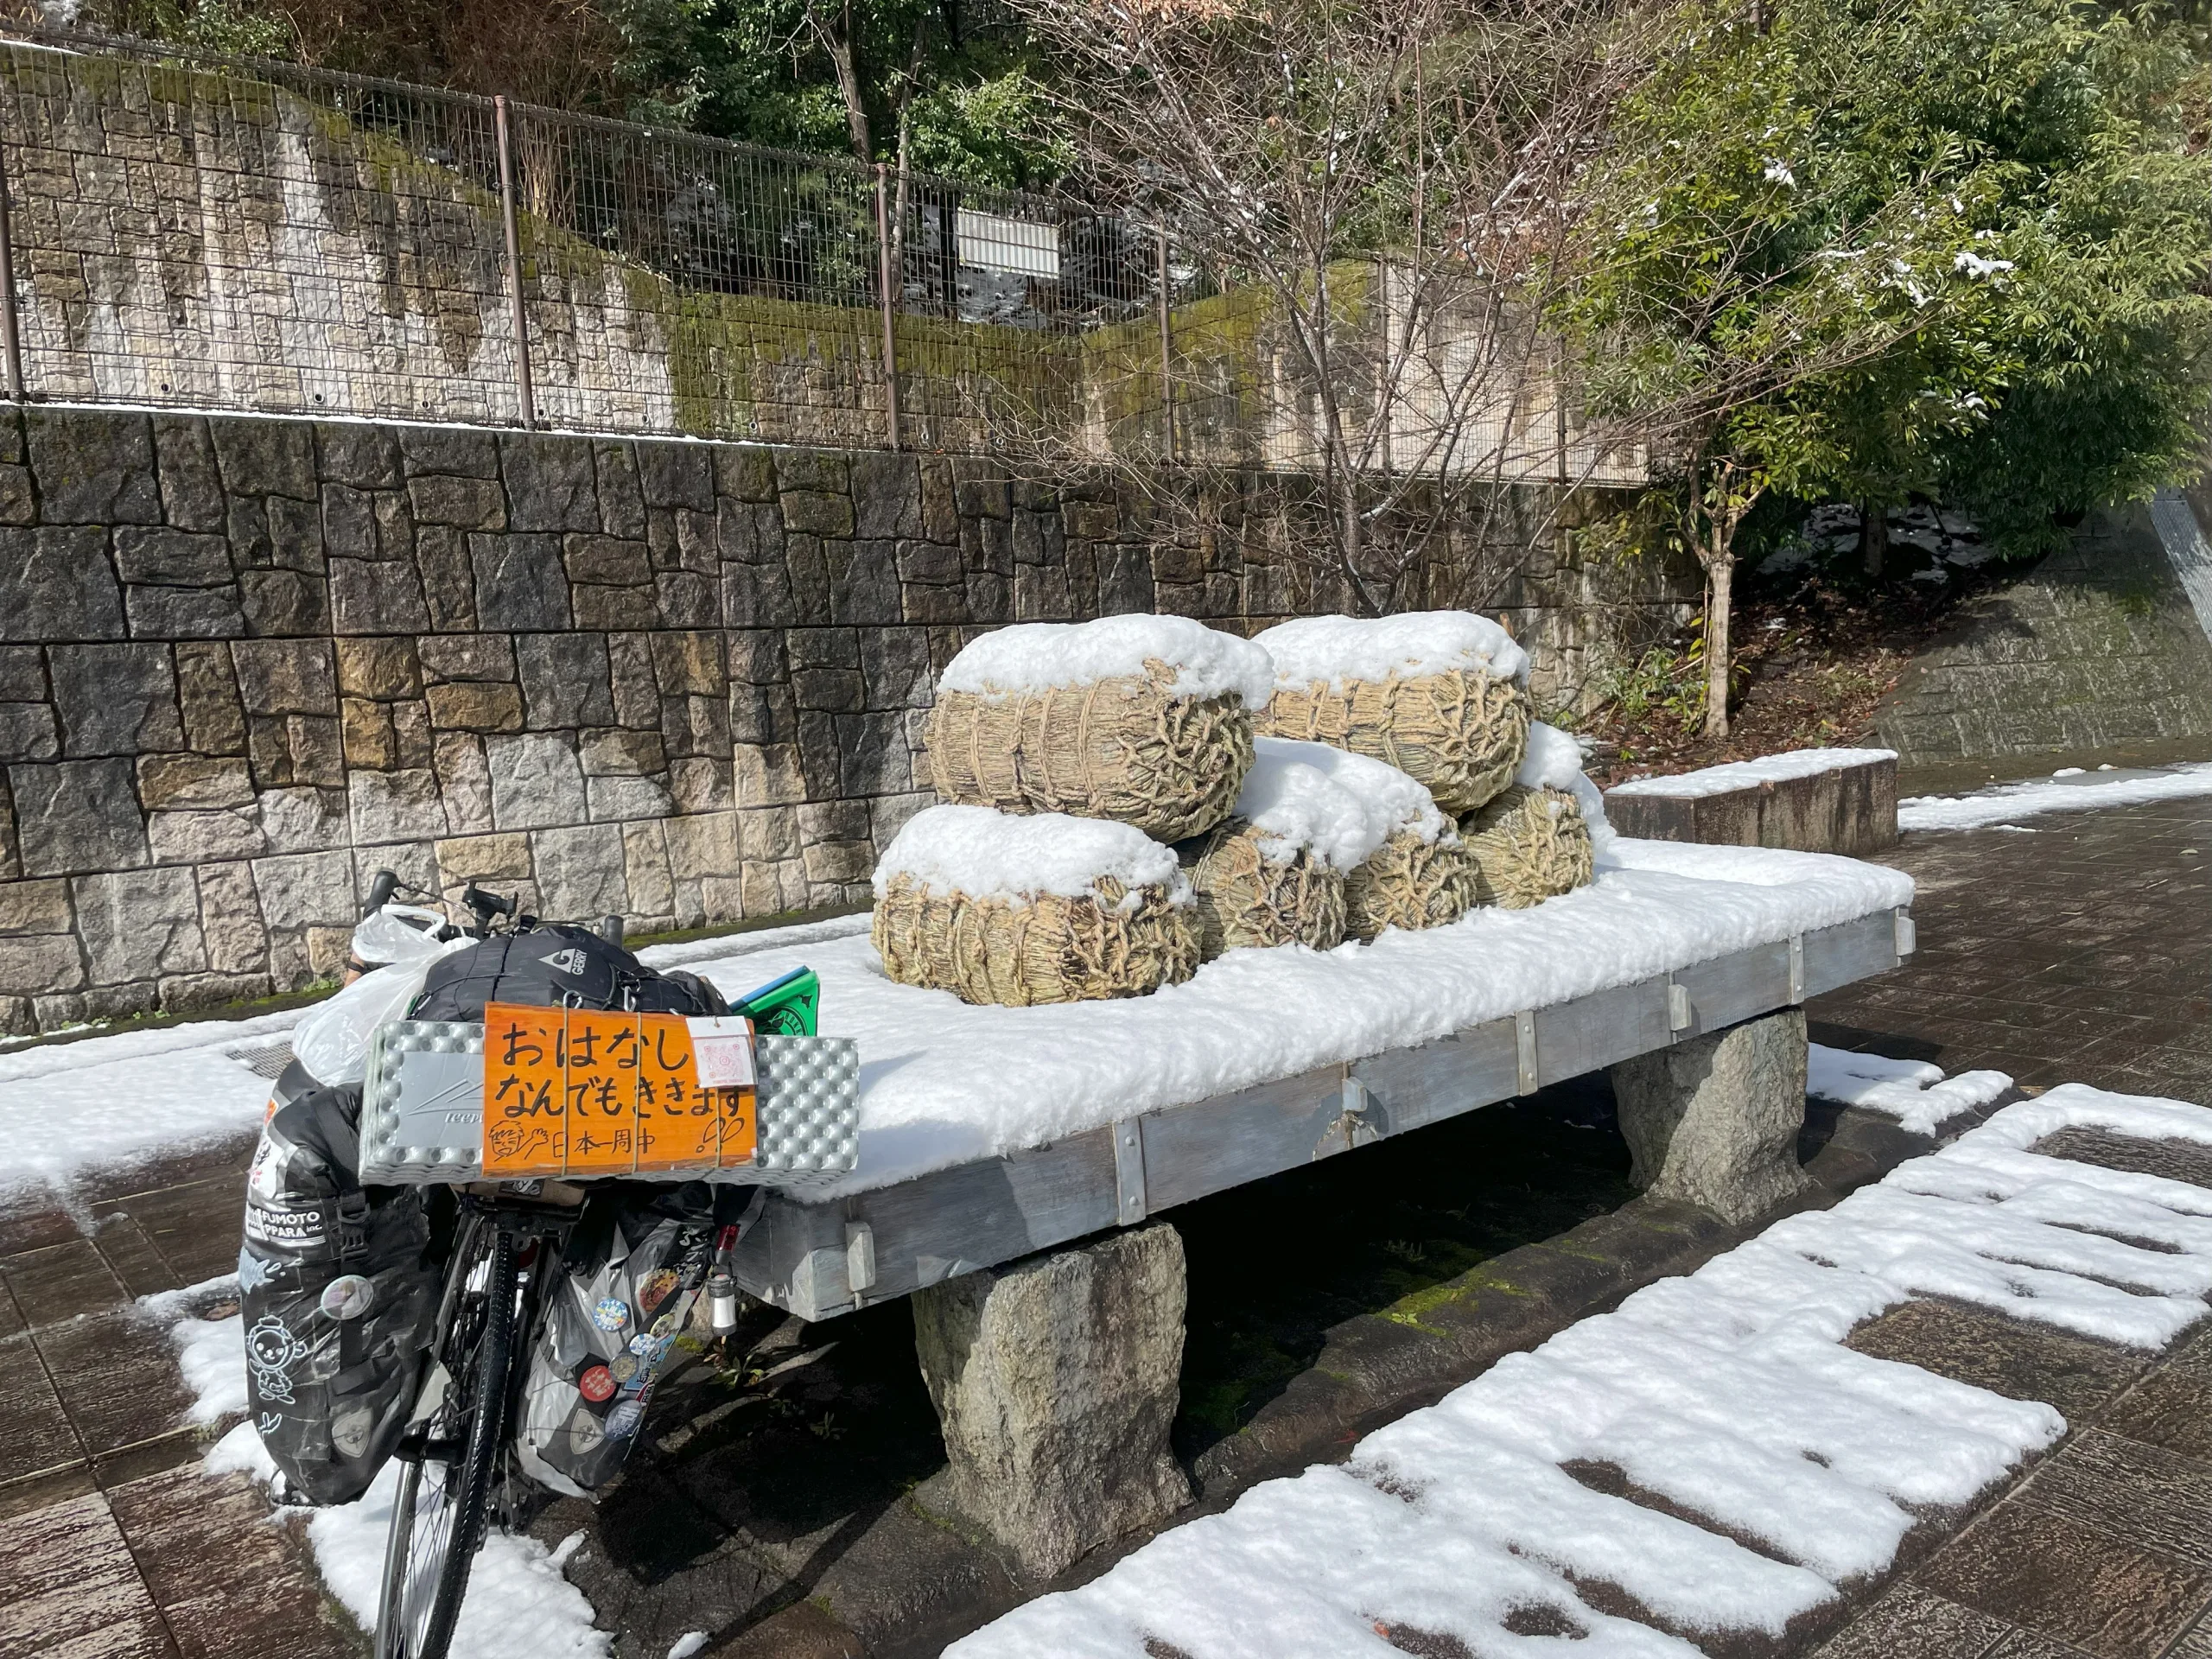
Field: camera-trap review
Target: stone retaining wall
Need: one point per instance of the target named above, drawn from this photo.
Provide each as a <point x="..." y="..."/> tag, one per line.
<point x="246" y="662"/>
<point x="2096" y="645"/>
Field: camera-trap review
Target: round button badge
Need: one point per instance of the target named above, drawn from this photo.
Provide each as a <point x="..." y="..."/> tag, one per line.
<point x="596" y="1384"/>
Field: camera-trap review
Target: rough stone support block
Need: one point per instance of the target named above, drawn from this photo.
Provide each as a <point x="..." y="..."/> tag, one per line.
<point x="1714" y="1119"/>
<point x="1055" y="1380"/>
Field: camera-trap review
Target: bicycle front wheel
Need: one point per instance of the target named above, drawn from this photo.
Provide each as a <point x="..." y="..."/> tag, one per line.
<point x="438" y="1512"/>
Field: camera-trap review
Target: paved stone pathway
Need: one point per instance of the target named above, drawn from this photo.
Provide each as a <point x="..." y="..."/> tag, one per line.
<point x="113" y="1544"/>
<point x="2079" y="952"/>
<point x="2104" y="1551"/>
<point x="2082" y="953"/>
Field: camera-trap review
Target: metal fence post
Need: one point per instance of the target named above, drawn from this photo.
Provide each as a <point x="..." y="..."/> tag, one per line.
<point x="1384" y="366"/>
<point x="884" y="296"/>
<point x="525" y="395"/>
<point x="11" y="344"/>
<point x="1166" y="371"/>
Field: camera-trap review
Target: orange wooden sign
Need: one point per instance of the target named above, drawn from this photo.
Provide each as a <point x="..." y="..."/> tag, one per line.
<point x="582" y="1094"/>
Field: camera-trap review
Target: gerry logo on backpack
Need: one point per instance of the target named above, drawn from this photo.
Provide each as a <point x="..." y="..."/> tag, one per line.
<point x="571" y="961"/>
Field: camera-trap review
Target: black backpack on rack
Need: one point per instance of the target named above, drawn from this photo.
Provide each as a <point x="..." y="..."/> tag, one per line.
<point x="553" y="964"/>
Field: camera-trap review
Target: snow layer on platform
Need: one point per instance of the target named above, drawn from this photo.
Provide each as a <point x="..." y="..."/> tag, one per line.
<point x="1035" y="655"/>
<point x="1728" y="1393"/>
<point x="2086" y="791"/>
<point x="1299" y="802"/>
<point x="1917" y="1094"/>
<point x="984" y="852"/>
<point x="1341" y="649"/>
<point x="944" y="1083"/>
<point x="1392" y="800"/>
<point x="1745" y="774"/>
<point x="927" y="1103"/>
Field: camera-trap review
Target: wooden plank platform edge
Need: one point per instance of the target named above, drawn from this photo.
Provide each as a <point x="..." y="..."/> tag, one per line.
<point x="822" y="1258"/>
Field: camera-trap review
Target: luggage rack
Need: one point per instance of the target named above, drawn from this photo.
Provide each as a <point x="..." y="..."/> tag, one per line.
<point x="422" y="1110"/>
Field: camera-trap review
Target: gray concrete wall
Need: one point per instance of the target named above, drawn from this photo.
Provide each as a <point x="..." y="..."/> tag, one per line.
<point x="246" y="662"/>
<point x="2094" y="646"/>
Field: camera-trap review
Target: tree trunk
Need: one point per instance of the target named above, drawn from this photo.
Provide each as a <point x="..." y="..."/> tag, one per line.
<point x="837" y="44"/>
<point x="1719" y="579"/>
<point x="1873" y="537"/>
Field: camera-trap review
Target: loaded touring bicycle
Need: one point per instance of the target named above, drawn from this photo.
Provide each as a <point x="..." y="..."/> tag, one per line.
<point x="501" y="1179"/>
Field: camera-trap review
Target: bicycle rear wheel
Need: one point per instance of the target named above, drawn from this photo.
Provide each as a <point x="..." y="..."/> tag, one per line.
<point x="438" y="1512"/>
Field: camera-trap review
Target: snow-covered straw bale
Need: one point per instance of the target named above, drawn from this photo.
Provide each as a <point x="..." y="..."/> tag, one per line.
<point x="1274" y="874"/>
<point x="1145" y="720"/>
<point x="1528" y="845"/>
<point x="1439" y="695"/>
<point x="1553" y="761"/>
<point x="1420" y="875"/>
<point x="1025" y="910"/>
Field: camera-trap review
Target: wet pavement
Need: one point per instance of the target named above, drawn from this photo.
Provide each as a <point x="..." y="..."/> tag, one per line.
<point x="771" y="1505"/>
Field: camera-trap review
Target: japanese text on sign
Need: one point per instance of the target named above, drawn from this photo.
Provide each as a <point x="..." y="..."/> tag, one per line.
<point x="582" y="1094"/>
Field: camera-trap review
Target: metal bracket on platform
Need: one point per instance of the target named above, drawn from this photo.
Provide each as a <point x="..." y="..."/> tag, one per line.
<point x="860" y="1256"/>
<point x="1679" y="1015"/>
<point x="1351" y="1125"/>
<point x="1129" y="1173"/>
<point x="1797" y="969"/>
<point x="1907" y="941"/>
<point x="1524" y="1044"/>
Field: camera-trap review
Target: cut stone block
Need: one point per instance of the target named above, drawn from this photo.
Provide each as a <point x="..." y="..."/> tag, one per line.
<point x="1055" y="1380"/>
<point x="1714" y="1119"/>
<point x="1851" y="810"/>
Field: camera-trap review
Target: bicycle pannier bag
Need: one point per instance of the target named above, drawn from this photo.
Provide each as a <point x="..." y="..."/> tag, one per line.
<point x="338" y="1300"/>
<point x="613" y="1314"/>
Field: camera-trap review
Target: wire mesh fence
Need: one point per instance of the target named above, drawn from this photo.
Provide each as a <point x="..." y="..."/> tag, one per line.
<point x="231" y="234"/>
<point x="195" y="230"/>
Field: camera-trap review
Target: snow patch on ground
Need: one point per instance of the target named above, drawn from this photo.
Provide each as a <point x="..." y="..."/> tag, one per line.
<point x="1913" y="1092"/>
<point x="67" y="1107"/>
<point x="1728" y="1392"/>
<point x="1038" y="655"/>
<point x="1745" y="774"/>
<point x="519" y="1604"/>
<point x="2087" y="793"/>
<point x="210" y="1355"/>
<point x="1338" y="649"/>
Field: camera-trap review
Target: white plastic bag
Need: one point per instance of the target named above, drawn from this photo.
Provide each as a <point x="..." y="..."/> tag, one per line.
<point x="391" y="935"/>
<point x="333" y="1042"/>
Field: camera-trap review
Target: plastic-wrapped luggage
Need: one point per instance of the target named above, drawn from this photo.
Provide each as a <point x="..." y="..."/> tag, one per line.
<point x="339" y="1298"/>
<point x="612" y="1316"/>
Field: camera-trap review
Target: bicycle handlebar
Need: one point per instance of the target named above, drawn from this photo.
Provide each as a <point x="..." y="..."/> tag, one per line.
<point x="386" y="883"/>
